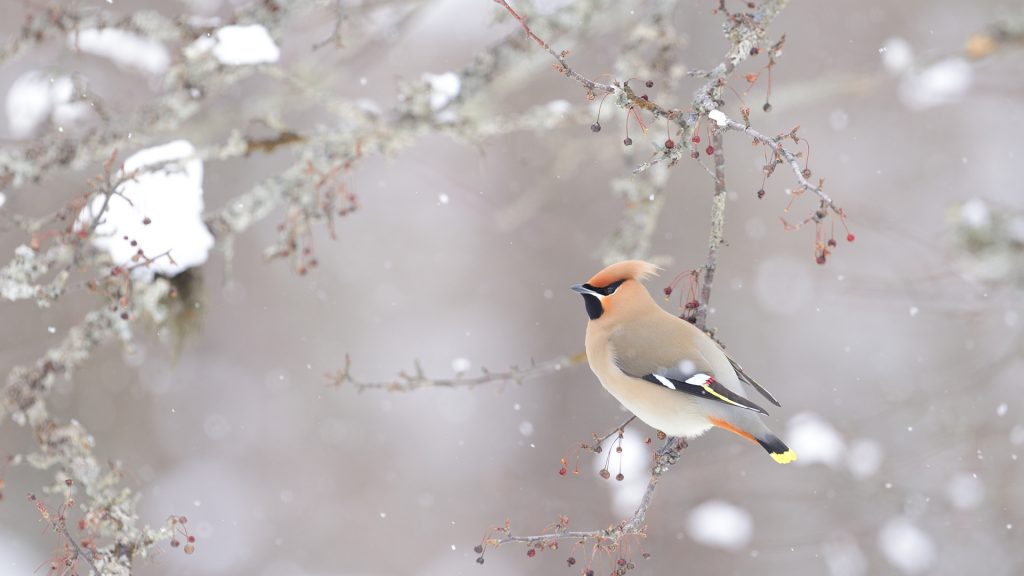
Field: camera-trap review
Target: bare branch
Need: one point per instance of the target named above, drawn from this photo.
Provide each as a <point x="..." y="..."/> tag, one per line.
<point x="716" y="235"/>
<point x="406" y="382"/>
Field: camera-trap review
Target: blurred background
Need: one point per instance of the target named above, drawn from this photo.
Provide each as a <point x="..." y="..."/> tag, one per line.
<point x="898" y="363"/>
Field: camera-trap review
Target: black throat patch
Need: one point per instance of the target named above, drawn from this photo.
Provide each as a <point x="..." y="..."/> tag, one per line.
<point x="594" y="308"/>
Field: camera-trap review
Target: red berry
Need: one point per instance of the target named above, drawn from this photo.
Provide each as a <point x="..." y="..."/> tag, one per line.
<point x="605" y="473"/>
<point x="622" y="562"/>
<point x="191" y="539"/>
<point x="595" y="127"/>
<point x="562" y="471"/>
<point x="831" y="242"/>
<point x="667" y="290"/>
<point x="649" y="83"/>
<point x="821" y="259"/>
<point x="620" y="477"/>
<point x="146" y="221"/>
<point x="849" y="237"/>
<point x="695" y="155"/>
<point x="695" y="139"/>
<point x="627" y="141"/>
<point x="570" y="561"/>
<point x="670" y="144"/>
<point x="478" y="549"/>
<point x="760" y="193"/>
<point x="709" y="150"/>
<point x="531" y="552"/>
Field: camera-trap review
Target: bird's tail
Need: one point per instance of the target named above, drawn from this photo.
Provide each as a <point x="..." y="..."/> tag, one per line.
<point x="760" y="434"/>
<point x="776" y="448"/>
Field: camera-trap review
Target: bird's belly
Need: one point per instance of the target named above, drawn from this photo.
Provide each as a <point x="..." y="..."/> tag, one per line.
<point x="669" y="411"/>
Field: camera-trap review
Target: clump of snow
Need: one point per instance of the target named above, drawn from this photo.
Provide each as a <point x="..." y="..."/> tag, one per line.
<point x="906" y="546"/>
<point x="70" y="113"/>
<point x="719" y="117"/>
<point x="32" y="98"/>
<point x="160" y="210"/>
<point x="897" y="55"/>
<point x="237" y="46"/>
<point x="814" y="440"/>
<point x="719" y="524"/>
<point x="965" y="491"/>
<point x="461" y="365"/>
<point x="941" y="83"/>
<point x="443" y="88"/>
<point x="123" y="48"/>
<point x="863" y="458"/>
<point x="526" y="428"/>
<point x="975" y="214"/>
<point x="559" y="107"/>
<point x="3" y="199"/>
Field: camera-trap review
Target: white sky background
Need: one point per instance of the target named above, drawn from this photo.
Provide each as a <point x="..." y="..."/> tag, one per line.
<point x="903" y="470"/>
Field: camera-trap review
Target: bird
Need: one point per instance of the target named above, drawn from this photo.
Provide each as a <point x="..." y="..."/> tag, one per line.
<point x="665" y="370"/>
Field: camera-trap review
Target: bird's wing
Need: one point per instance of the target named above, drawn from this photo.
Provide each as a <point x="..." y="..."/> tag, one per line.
<point x="664" y="357"/>
<point x="704" y="386"/>
<point x="746" y="379"/>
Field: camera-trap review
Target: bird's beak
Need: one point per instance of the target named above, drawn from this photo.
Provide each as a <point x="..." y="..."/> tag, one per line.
<point x="583" y="290"/>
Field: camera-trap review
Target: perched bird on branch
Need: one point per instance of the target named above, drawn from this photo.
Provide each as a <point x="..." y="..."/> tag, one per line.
<point x="665" y="370"/>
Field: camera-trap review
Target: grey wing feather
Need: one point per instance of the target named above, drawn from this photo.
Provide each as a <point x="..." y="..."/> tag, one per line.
<point x="667" y="358"/>
<point x="745" y="378"/>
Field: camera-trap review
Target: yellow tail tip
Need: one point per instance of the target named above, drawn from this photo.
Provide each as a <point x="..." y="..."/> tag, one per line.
<point x="784" y="458"/>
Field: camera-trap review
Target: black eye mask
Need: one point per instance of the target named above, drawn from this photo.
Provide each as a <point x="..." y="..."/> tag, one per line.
<point x="607" y="290"/>
<point x="594" y="308"/>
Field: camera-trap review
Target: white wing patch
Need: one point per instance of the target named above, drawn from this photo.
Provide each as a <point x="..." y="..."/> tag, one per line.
<point x="698" y="379"/>
<point x="665" y="382"/>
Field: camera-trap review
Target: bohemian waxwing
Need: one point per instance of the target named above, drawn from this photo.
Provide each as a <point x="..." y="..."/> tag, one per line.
<point x="665" y="370"/>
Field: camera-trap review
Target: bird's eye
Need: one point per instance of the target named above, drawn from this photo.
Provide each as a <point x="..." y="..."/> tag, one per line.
<point x="607" y="290"/>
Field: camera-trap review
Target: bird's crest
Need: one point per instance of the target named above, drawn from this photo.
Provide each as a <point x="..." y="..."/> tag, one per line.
<point x="626" y="270"/>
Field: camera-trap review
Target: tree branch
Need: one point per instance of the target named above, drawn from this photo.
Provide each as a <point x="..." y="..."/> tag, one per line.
<point x="406" y="382"/>
<point x="716" y="235"/>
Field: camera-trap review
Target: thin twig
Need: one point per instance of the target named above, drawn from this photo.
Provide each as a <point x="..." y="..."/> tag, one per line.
<point x="609" y="537"/>
<point x="747" y="32"/>
<point x="406" y="382"/>
<point x="80" y="552"/>
<point x="626" y="97"/>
